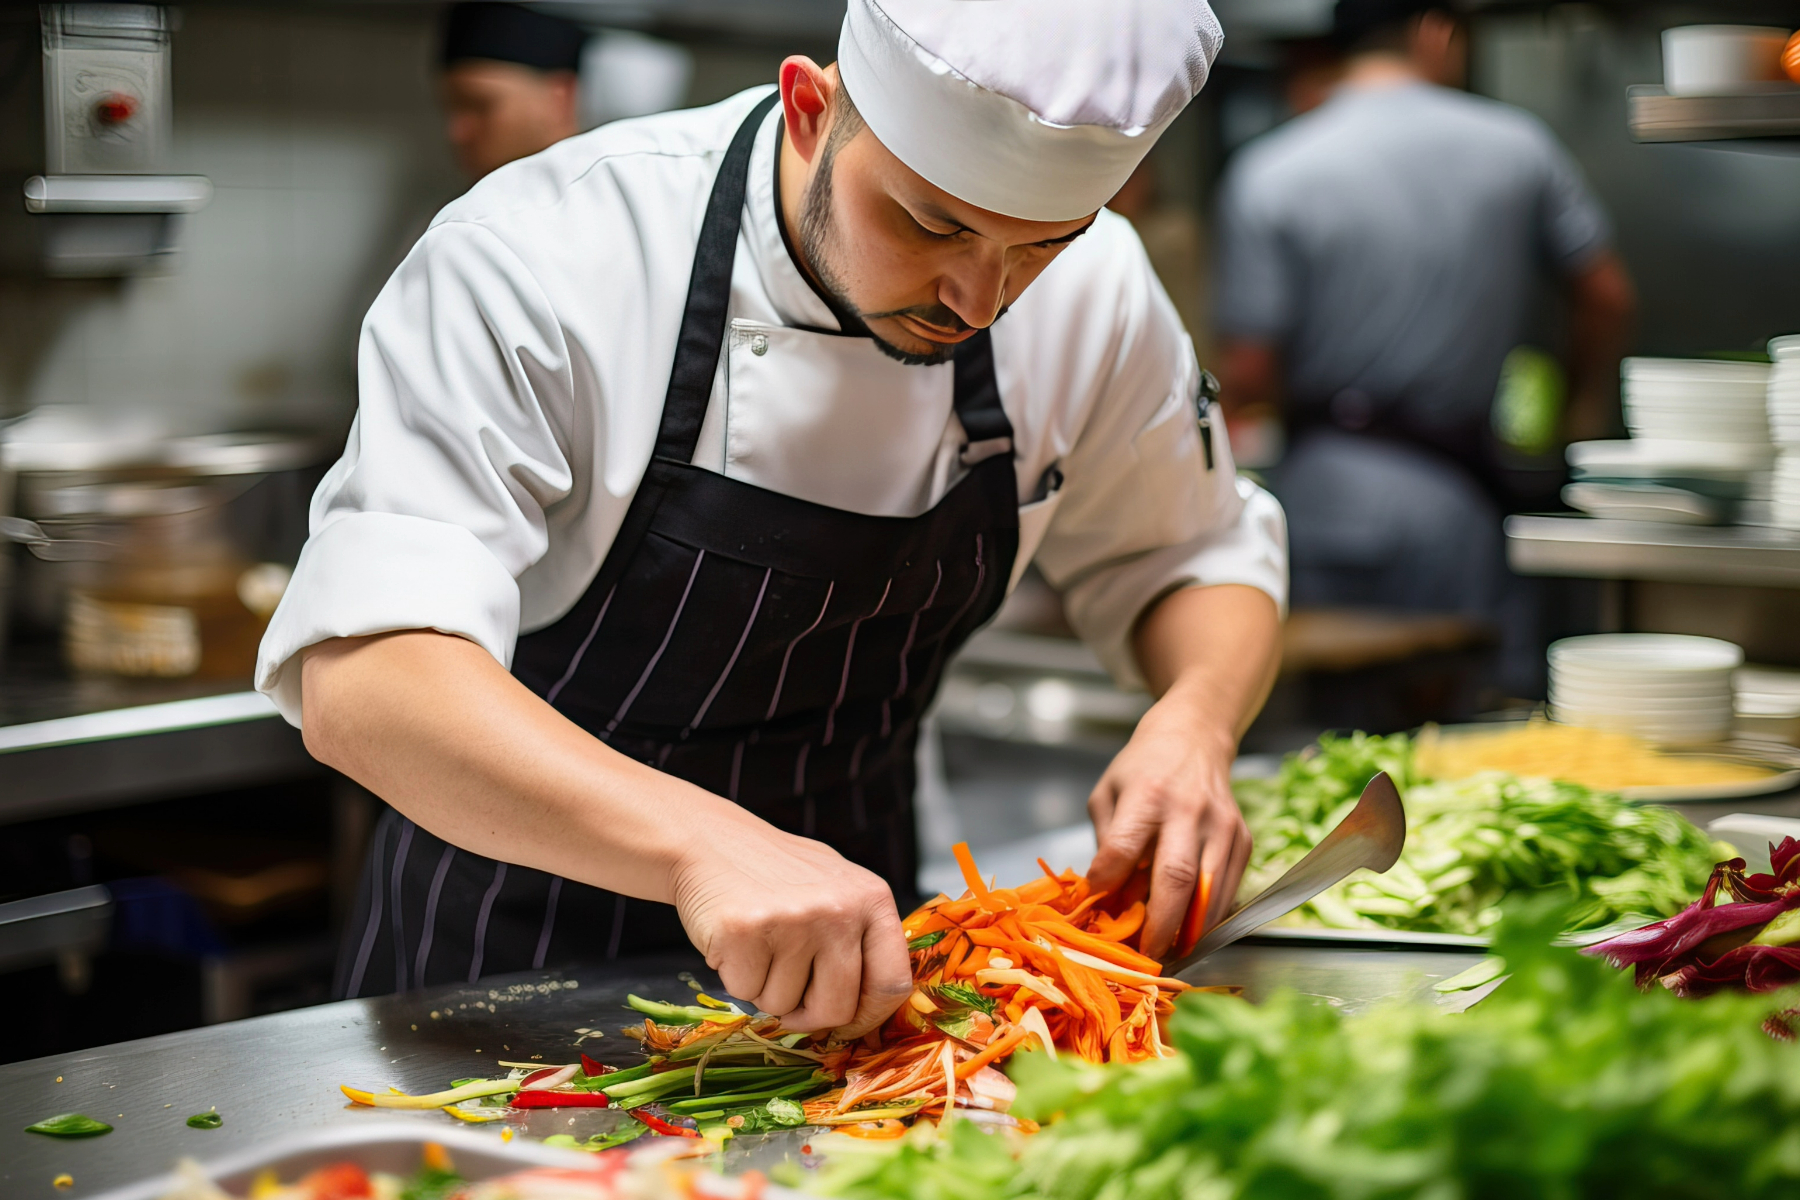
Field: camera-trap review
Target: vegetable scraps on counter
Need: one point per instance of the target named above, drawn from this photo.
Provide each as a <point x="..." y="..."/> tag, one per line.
<point x="1472" y="843"/>
<point x="70" y="1125"/>
<point x="1743" y="933"/>
<point x="1051" y="963"/>
<point x="1566" y="1082"/>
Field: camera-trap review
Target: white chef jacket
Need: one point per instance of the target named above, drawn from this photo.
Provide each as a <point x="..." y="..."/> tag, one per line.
<point x="512" y="374"/>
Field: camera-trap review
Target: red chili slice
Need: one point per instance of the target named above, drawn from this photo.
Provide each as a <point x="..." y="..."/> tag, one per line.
<point x="661" y="1126"/>
<point x="543" y="1099"/>
<point x="591" y="1068"/>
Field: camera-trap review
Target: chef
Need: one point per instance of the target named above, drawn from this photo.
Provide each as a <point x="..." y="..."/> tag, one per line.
<point x="691" y="449"/>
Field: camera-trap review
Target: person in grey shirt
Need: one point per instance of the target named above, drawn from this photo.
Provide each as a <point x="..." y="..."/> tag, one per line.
<point x="1379" y="258"/>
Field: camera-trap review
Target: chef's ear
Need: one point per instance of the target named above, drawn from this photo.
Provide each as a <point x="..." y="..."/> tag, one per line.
<point x="807" y="90"/>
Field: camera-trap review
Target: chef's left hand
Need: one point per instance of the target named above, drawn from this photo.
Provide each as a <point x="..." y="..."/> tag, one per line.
<point x="1166" y="800"/>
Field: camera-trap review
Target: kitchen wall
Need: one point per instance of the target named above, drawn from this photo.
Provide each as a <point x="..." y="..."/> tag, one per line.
<point x="1711" y="233"/>
<point x="317" y="129"/>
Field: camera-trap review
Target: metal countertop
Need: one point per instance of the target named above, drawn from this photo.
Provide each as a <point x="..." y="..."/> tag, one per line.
<point x="71" y="744"/>
<point x="273" y="1075"/>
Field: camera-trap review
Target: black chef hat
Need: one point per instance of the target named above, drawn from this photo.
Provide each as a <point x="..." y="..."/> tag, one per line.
<point x="511" y="33"/>
<point x="1355" y="21"/>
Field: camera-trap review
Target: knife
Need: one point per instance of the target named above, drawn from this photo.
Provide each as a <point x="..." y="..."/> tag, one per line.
<point x="1370" y="836"/>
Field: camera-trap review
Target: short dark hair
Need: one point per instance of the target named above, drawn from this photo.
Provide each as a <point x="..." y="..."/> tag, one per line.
<point x="1361" y="26"/>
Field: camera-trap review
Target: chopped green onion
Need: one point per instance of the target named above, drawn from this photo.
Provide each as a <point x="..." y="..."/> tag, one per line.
<point x="70" y="1125"/>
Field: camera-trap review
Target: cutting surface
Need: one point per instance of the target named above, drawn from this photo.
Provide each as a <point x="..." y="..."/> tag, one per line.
<point x="269" y="1076"/>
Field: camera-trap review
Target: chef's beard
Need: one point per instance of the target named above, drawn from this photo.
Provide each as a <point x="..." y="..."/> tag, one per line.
<point x="817" y="235"/>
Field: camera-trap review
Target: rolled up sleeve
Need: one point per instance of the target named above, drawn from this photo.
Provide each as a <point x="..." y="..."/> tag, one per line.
<point x="437" y="505"/>
<point x="1144" y="512"/>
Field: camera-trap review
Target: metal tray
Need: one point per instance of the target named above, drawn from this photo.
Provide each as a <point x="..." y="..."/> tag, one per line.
<point x="1391" y="938"/>
<point x="1406" y="939"/>
<point x="388" y="1145"/>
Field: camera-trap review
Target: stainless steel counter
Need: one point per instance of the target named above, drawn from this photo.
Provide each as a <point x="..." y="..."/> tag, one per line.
<point x="273" y="1075"/>
<point x="1592" y="548"/>
<point x="71" y="744"/>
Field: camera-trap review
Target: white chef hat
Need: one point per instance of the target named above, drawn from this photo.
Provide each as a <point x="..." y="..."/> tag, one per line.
<point x="1038" y="109"/>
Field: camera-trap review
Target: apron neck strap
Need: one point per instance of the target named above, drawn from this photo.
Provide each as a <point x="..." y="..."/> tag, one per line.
<point x="708" y="297"/>
<point x="978" y="392"/>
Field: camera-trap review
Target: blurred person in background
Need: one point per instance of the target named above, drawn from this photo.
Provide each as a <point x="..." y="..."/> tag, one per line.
<point x="1379" y="261"/>
<point x="510" y="84"/>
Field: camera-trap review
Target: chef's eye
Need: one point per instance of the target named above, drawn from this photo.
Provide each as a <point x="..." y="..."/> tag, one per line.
<point x="943" y="235"/>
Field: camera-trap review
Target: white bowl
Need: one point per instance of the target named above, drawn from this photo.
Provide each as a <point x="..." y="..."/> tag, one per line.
<point x="1709" y="60"/>
<point x="1785" y="348"/>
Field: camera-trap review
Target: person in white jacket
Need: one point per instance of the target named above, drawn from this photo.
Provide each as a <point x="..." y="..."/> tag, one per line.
<point x="636" y="651"/>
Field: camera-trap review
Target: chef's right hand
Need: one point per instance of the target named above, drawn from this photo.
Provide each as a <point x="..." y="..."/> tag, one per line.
<point x="793" y="927"/>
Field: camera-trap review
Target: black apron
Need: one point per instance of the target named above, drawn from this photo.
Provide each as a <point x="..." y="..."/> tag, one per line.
<point x="770" y="650"/>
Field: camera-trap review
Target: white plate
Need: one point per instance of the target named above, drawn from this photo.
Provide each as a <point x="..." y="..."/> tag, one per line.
<point x="1673" y="506"/>
<point x="1679" y="685"/>
<point x="1671" y="734"/>
<point x="1709" y="369"/>
<point x="1657" y="652"/>
<point x="1626" y="700"/>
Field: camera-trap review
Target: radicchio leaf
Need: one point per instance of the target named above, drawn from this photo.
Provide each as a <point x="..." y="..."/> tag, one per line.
<point x="1703" y="948"/>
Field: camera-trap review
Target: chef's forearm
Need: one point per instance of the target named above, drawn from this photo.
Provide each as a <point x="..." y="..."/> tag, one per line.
<point x="1212" y="651"/>
<point x="437" y="728"/>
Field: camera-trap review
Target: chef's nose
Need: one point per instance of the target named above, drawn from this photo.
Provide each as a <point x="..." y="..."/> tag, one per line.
<point x="975" y="288"/>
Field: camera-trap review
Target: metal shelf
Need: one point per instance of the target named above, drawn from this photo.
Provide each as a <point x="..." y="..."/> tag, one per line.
<point x="1593" y="548"/>
<point x="1656" y="116"/>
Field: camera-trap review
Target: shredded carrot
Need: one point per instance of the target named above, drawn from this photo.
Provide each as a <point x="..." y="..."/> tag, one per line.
<point x="1001" y="1046"/>
<point x="970" y="875"/>
<point x="960" y="945"/>
<point x="1052" y="947"/>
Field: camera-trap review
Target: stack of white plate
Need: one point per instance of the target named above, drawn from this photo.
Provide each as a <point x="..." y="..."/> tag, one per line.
<point x="1784" y="422"/>
<point x="1663" y="687"/>
<point x="1696" y="400"/>
<point x="1767" y="700"/>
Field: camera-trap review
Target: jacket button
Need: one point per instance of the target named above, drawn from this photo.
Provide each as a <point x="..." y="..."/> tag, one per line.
<point x="759" y="345"/>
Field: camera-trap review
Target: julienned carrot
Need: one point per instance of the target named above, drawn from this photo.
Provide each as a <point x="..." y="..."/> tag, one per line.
<point x="993" y="939"/>
<point x="1099" y="947"/>
<point x="1119" y="928"/>
<point x="960" y="944"/>
<point x="931" y="924"/>
<point x="977" y="886"/>
<point x="1003" y="1045"/>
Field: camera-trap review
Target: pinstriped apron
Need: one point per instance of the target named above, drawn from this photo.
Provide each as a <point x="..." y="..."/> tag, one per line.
<point x="770" y="650"/>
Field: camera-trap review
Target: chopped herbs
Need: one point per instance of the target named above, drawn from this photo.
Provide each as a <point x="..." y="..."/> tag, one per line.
<point x="205" y="1120"/>
<point x="962" y="995"/>
<point x="927" y="940"/>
